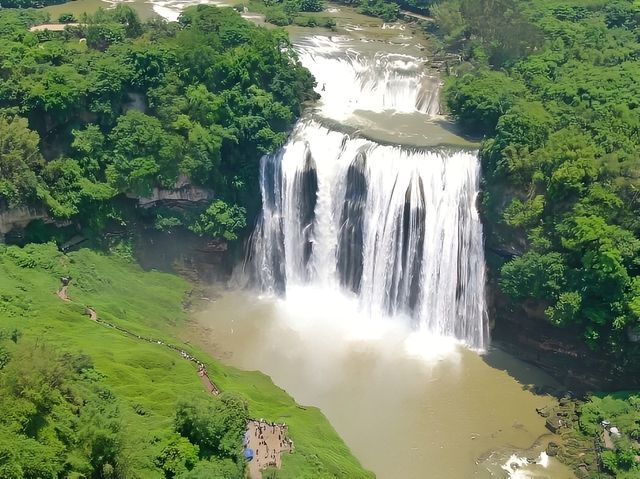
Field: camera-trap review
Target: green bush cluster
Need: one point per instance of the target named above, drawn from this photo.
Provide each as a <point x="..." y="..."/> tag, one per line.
<point x="28" y="3"/>
<point x="389" y="10"/>
<point x="304" y="13"/>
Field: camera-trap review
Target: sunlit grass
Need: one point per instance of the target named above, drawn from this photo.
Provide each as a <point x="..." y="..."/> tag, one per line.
<point x="147" y="377"/>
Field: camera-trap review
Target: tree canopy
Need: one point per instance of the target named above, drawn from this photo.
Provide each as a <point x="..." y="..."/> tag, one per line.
<point x="559" y="112"/>
<point x="115" y="107"/>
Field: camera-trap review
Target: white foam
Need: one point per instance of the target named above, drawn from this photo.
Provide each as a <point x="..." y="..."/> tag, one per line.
<point x="520" y="468"/>
<point x="543" y="459"/>
<point x="393" y="26"/>
<point x="338" y="325"/>
<point x="349" y="81"/>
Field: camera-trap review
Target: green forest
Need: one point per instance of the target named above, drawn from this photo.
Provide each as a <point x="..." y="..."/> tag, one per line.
<point x="114" y="107"/>
<point x="553" y="89"/>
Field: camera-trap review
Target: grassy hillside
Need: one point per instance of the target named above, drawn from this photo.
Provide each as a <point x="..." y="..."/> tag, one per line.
<point x="148" y="379"/>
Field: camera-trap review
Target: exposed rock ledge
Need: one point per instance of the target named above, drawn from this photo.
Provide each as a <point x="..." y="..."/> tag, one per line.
<point x="18" y="218"/>
<point x="182" y="192"/>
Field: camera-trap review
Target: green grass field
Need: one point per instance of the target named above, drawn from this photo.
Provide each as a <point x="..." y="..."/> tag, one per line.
<point x="148" y="377"/>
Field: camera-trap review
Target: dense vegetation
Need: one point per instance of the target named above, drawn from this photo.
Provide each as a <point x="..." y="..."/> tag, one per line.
<point x="82" y="400"/>
<point x="114" y="108"/>
<point x="621" y="411"/>
<point x="389" y="10"/>
<point x="553" y="87"/>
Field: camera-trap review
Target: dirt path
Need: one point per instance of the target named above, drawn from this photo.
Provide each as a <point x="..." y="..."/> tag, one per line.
<point x="62" y="293"/>
<point x="268" y="441"/>
<point x="606" y="438"/>
<point x="208" y="384"/>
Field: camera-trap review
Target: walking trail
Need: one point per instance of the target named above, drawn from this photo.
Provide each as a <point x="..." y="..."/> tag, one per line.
<point x="208" y="384"/>
<point x="268" y="440"/>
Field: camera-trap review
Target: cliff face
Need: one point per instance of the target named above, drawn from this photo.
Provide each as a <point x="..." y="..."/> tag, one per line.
<point x="179" y="251"/>
<point x="522" y="329"/>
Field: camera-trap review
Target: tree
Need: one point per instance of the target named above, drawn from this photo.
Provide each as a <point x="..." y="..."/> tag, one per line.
<point x="478" y="100"/>
<point x="534" y="275"/>
<point x="142" y="151"/>
<point x="622" y="14"/>
<point x="101" y="36"/>
<point x="221" y="221"/>
<point x="20" y="161"/>
<point x="177" y="456"/>
<point x="311" y="6"/>
<point x="449" y="20"/>
<point x="68" y="188"/>
<point x="502" y="28"/>
<point x="216" y="426"/>
<point x="214" y="468"/>
<point x="89" y="143"/>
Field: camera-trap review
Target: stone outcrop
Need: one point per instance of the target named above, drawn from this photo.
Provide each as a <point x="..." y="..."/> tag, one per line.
<point x="553" y="424"/>
<point x="19" y="218"/>
<point x="552" y="449"/>
<point x="183" y="192"/>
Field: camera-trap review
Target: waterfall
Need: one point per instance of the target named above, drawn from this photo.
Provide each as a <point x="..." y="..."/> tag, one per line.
<point x="394" y="227"/>
<point x="349" y="81"/>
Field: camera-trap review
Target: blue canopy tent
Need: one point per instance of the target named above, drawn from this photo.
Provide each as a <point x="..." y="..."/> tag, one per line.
<point x="248" y="453"/>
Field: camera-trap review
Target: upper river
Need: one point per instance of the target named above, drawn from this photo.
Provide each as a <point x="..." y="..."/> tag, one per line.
<point x="363" y="288"/>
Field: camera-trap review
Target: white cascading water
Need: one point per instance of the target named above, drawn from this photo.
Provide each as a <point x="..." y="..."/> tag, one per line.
<point x="394" y="227"/>
<point x="349" y="81"/>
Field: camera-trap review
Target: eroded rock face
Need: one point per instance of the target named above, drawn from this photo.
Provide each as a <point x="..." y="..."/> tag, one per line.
<point x="182" y="192"/>
<point x="20" y="217"/>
